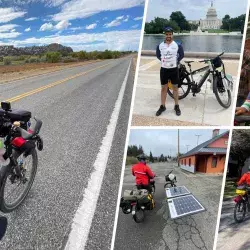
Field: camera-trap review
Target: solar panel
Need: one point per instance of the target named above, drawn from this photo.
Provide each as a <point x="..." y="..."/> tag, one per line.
<point x="176" y="191"/>
<point x="184" y="205"/>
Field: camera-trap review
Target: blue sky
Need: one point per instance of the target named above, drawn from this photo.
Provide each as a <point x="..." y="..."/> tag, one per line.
<point x="194" y="9"/>
<point x="164" y="141"/>
<point x="81" y="24"/>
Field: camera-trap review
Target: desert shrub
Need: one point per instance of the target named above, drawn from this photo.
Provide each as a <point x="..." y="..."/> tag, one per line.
<point x="69" y="59"/>
<point x="53" y="57"/>
<point x="7" y="61"/>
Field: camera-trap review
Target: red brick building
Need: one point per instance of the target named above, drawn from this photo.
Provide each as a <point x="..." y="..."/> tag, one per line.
<point x="208" y="157"/>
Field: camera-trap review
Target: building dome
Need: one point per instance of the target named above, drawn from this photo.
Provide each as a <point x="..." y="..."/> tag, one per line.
<point x="211" y="14"/>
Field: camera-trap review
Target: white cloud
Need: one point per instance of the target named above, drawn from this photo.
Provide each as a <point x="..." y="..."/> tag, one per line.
<point x="113" y="40"/>
<point x="91" y="26"/>
<point x="13" y="30"/>
<point x="85" y="8"/>
<point x="9" y="35"/>
<point x="46" y="26"/>
<point x="112" y="24"/>
<point x="76" y="28"/>
<point x="9" y="14"/>
<point x="119" y="17"/>
<point x="135" y="26"/>
<point x="28" y="29"/>
<point x="31" y="19"/>
<point x="64" y="24"/>
<point x="126" y="19"/>
<point x="138" y="18"/>
<point x="7" y="27"/>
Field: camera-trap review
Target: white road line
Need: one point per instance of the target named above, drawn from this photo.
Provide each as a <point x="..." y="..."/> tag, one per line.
<point x="84" y="215"/>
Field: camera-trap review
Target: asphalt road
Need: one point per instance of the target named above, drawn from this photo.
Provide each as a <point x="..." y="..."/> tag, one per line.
<point x="232" y="235"/>
<point x="75" y="115"/>
<point x="158" y="231"/>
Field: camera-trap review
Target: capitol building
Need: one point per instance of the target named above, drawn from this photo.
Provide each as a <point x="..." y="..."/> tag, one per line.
<point x="211" y="21"/>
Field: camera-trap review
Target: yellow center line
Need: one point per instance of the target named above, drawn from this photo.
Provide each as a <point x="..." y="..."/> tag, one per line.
<point x="34" y="91"/>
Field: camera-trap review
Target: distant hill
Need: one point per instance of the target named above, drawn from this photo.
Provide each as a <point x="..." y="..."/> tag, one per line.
<point x="10" y="50"/>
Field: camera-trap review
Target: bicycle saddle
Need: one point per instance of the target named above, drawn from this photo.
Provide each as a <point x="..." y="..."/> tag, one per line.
<point x="188" y="61"/>
<point x="242" y="118"/>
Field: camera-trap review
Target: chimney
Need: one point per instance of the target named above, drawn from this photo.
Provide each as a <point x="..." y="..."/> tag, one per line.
<point x="215" y="132"/>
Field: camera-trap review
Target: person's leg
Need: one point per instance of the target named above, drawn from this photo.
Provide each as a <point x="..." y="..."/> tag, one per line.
<point x="175" y="83"/>
<point x="164" y="88"/>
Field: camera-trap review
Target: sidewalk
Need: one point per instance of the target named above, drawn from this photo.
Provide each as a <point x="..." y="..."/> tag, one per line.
<point x="203" y="109"/>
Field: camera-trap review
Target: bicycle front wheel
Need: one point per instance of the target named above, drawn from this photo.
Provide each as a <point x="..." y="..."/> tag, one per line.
<point x="15" y="188"/>
<point x="222" y="95"/>
<point x="183" y="89"/>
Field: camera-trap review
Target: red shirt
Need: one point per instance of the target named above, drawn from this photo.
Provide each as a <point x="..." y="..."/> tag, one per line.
<point x="245" y="179"/>
<point x="142" y="173"/>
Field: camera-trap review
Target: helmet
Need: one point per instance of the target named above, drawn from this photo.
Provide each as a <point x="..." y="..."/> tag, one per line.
<point x="168" y="29"/>
<point x="171" y="177"/>
<point x="142" y="157"/>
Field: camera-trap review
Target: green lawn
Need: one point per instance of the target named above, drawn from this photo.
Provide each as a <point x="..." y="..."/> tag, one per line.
<point x="229" y="189"/>
<point x="217" y="31"/>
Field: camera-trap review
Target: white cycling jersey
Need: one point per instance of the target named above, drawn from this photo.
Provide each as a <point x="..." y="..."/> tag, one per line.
<point x="169" y="54"/>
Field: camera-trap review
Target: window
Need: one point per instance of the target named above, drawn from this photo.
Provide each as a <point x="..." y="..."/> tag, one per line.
<point x="185" y="162"/>
<point x="189" y="161"/>
<point x="214" y="162"/>
<point x="226" y="142"/>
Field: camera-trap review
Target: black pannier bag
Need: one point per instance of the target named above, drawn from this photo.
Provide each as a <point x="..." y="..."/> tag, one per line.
<point x="125" y="206"/>
<point x="14" y="115"/>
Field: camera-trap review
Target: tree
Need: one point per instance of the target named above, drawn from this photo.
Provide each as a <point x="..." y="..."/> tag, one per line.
<point x="225" y="22"/>
<point x="180" y="19"/>
<point x="151" y="158"/>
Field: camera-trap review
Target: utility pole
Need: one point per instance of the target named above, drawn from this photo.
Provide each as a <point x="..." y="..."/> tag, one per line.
<point x="198" y="136"/>
<point x="187" y="147"/>
<point x="178" y="153"/>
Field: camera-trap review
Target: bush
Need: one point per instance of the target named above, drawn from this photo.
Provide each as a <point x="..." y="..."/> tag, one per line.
<point x="130" y="160"/>
<point x="82" y="55"/>
<point x="69" y="59"/>
<point x="1" y="58"/>
<point x="7" y="61"/>
<point x="43" y="59"/>
<point x="33" y="60"/>
<point x="53" y="57"/>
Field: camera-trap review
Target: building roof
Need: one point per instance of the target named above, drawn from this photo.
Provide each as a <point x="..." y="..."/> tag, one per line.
<point x="202" y="148"/>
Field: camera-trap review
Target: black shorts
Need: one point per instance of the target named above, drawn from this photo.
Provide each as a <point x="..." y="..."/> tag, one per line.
<point x="169" y="74"/>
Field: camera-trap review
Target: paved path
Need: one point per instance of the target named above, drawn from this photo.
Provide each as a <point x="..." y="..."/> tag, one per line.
<point x="158" y="231"/>
<point x="75" y="106"/>
<point x="203" y="109"/>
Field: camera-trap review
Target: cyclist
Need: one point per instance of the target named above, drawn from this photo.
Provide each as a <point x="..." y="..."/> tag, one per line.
<point x="142" y="173"/>
<point x="245" y="178"/>
<point x="170" y="54"/>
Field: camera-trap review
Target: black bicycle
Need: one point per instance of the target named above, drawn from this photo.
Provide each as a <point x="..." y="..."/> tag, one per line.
<point x="222" y="83"/>
<point x="20" y="143"/>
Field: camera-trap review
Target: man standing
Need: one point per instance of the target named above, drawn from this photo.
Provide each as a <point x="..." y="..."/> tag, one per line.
<point x="170" y="54"/>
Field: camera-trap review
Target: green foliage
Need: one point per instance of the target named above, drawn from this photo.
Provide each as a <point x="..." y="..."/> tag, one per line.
<point x="69" y="59"/>
<point x="157" y="25"/>
<point x="233" y="24"/>
<point x="130" y="160"/>
<point x="134" y="150"/>
<point x="7" y="61"/>
<point x="1" y="58"/>
<point x="33" y="60"/>
<point x="53" y="57"/>
<point x="151" y="158"/>
<point x="180" y="19"/>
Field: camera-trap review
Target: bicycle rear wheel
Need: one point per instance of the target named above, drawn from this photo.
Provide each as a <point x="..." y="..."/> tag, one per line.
<point x="183" y="88"/>
<point x="10" y="197"/>
<point x="222" y="95"/>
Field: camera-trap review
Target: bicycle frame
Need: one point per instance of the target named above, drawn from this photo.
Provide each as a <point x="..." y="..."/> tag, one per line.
<point x="208" y="70"/>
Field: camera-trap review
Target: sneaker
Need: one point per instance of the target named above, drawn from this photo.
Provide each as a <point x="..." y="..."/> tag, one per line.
<point x="177" y="110"/>
<point x="160" y="110"/>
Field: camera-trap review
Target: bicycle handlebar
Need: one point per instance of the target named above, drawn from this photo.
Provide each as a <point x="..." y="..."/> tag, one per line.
<point x="207" y="60"/>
